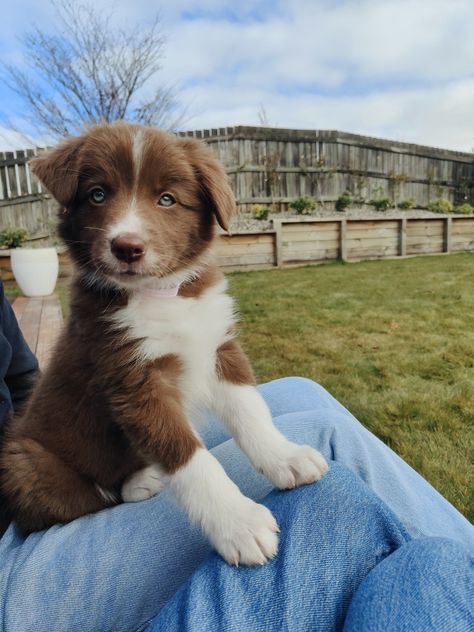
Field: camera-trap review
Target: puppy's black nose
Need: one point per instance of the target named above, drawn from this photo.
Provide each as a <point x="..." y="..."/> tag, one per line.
<point x="128" y="247"/>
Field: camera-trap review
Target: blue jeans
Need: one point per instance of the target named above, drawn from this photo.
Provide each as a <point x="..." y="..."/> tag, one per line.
<point x="345" y="563"/>
<point x="114" y="570"/>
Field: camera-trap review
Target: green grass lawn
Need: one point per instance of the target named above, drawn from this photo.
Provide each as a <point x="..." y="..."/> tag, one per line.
<point x="392" y="340"/>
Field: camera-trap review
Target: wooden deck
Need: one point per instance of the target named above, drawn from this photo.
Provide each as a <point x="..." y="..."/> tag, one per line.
<point x="40" y="321"/>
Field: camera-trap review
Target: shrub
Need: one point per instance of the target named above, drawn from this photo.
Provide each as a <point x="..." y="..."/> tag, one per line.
<point x="465" y="209"/>
<point x="405" y="205"/>
<point x="303" y="205"/>
<point x="12" y="237"/>
<point x="440" y="205"/>
<point x="260" y="212"/>
<point x="344" y="201"/>
<point x="382" y="204"/>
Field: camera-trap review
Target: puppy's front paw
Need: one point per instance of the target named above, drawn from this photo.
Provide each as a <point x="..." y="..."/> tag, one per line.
<point x="143" y="484"/>
<point x="296" y="465"/>
<point x="248" y="536"/>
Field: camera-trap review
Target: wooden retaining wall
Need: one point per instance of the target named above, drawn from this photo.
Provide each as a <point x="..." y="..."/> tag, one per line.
<point x="294" y="242"/>
<point x="304" y="241"/>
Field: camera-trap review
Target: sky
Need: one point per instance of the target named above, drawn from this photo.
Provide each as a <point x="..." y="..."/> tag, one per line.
<point x="397" y="69"/>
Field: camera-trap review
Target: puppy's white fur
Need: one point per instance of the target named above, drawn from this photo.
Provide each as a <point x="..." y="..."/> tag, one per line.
<point x="194" y="328"/>
<point x="242" y="531"/>
<point x="246" y="415"/>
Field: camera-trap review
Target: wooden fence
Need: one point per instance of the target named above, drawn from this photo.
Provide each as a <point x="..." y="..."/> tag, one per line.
<point x="305" y="241"/>
<point x="274" y="166"/>
<point x="23" y="203"/>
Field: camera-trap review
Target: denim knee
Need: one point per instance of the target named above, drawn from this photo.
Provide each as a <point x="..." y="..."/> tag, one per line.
<point x="426" y="585"/>
<point x="295" y="394"/>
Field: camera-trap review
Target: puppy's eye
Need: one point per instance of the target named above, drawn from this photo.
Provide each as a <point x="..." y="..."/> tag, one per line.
<point x="97" y="195"/>
<point x="166" y="200"/>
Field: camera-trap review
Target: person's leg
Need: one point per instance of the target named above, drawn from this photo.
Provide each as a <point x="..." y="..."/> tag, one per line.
<point x="130" y="559"/>
<point x="332" y="535"/>
<point x="306" y="413"/>
<point x="427" y="585"/>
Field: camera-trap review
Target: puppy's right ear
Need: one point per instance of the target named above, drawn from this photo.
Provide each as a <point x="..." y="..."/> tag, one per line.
<point x="57" y="169"/>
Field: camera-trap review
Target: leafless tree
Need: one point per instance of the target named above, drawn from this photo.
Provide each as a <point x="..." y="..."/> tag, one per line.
<point x="90" y="72"/>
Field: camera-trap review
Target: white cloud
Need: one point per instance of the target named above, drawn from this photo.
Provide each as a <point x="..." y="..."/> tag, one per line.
<point x="395" y="68"/>
<point x="400" y="68"/>
<point x="435" y="116"/>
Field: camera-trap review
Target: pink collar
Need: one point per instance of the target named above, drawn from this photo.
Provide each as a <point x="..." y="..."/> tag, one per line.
<point x="159" y="291"/>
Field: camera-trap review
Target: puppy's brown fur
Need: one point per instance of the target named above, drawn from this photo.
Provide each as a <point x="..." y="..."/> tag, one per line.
<point x="97" y="415"/>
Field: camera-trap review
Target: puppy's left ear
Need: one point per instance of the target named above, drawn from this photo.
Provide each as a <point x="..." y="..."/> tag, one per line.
<point x="213" y="179"/>
<point x="56" y="169"/>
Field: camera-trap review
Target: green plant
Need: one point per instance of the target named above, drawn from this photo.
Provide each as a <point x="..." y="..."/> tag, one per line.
<point x="382" y="204"/>
<point x="260" y="212"/>
<point x="303" y="205"/>
<point x="12" y="237"/>
<point x="344" y="201"/>
<point x="407" y="204"/>
<point x="440" y="205"/>
<point x="465" y="209"/>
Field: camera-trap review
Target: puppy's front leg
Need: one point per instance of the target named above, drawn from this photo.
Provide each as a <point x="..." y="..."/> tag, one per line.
<point x="242" y="531"/>
<point x="244" y="411"/>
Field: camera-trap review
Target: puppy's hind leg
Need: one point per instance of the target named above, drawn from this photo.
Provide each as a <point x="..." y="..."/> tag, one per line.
<point x="41" y="489"/>
<point x="144" y="484"/>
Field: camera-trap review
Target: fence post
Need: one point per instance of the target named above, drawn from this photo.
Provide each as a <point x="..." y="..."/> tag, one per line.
<point x="403" y="237"/>
<point x="277" y="225"/>
<point x="343" y="240"/>
<point x="448" y="222"/>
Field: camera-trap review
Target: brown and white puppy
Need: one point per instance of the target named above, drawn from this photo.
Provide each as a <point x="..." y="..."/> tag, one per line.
<point x="148" y="349"/>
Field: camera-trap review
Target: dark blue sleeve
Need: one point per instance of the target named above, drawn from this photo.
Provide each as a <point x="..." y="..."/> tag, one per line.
<point x="18" y="365"/>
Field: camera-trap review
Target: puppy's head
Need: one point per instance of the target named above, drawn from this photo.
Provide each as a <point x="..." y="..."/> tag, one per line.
<point x="136" y="203"/>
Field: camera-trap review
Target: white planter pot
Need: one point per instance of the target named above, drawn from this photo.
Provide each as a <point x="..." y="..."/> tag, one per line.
<point x="35" y="270"/>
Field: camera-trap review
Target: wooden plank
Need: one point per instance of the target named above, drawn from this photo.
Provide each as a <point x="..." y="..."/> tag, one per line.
<point x="50" y="326"/>
<point x="278" y="242"/>
<point x="425" y="247"/>
<point x="384" y="251"/>
<point x="308" y="226"/>
<point x="311" y="236"/>
<point x="17" y="176"/>
<point x="343" y="240"/>
<point x="403" y="237"/>
<point x="373" y="233"/>
<point x="372" y="243"/>
<point x="311" y="255"/>
<point x="250" y="259"/>
<point x="246" y="238"/>
<point x="7" y="179"/>
<point x="30" y="321"/>
<point x="462" y="246"/>
<point x="447" y="234"/>
<point x="18" y="305"/>
<point x="462" y="225"/>
<point x="356" y="224"/>
<point x="28" y="179"/>
<point x="426" y="230"/>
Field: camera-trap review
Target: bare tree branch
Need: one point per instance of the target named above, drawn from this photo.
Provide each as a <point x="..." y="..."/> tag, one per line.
<point x="90" y="72"/>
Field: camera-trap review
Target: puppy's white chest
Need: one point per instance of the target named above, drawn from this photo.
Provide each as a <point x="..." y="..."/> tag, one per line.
<point x="190" y="328"/>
